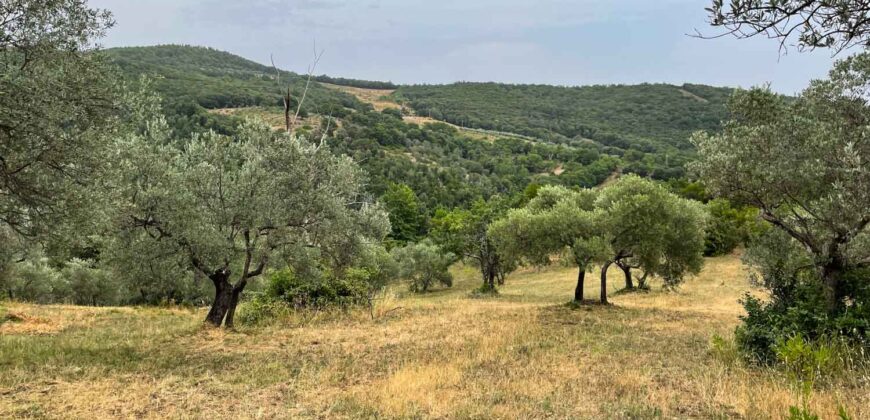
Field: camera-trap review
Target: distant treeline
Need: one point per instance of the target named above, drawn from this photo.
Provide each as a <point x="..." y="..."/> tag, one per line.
<point x="365" y="84"/>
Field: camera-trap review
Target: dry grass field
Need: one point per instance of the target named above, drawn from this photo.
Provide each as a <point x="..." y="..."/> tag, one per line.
<point x="523" y="354"/>
<point x="376" y="97"/>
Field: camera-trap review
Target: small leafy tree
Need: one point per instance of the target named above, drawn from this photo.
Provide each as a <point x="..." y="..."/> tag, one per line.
<point x="650" y="229"/>
<point x="464" y="233"/>
<point x="405" y="214"/>
<point x="557" y="220"/>
<point x="90" y="285"/>
<point x="423" y="264"/>
<point x="230" y="208"/>
<point x="730" y="226"/>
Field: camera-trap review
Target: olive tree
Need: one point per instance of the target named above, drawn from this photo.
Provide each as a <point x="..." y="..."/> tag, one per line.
<point x="58" y="102"/>
<point x="803" y="164"/>
<point x="232" y="207"/>
<point x="557" y="220"/>
<point x="650" y="229"/>
<point x="464" y="233"/>
<point x="423" y="264"/>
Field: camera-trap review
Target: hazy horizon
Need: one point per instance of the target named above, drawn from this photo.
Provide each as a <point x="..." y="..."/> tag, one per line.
<point x="412" y="42"/>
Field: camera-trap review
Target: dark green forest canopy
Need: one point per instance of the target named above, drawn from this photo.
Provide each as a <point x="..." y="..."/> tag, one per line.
<point x="647" y="116"/>
<point x="193" y="79"/>
<point x="217" y="79"/>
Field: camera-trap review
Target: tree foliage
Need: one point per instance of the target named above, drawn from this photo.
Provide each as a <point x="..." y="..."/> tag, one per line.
<point x="650" y="229"/>
<point x="424" y="264"/>
<point x="813" y="24"/>
<point x="729" y="227"/>
<point x="57" y="110"/>
<point x="406" y="217"/>
<point x="556" y="221"/>
<point x="231" y="207"/>
<point x="802" y="163"/>
<point x="464" y="232"/>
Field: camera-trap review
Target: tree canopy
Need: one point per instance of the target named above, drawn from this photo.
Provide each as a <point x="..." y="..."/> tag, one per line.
<point x="230" y="207"/>
<point x="557" y="221"/>
<point x="57" y="110"/>
<point x="803" y="163"/>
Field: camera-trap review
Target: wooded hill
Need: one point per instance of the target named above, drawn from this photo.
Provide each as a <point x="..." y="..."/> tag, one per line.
<point x="629" y="121"/>
<point x="582" y="134"/>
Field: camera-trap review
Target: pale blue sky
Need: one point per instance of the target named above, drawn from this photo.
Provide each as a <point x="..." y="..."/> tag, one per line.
<point x="565" y="42"/>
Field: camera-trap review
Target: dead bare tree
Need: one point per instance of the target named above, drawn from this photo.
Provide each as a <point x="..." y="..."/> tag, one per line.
<point x="290" y="123"/>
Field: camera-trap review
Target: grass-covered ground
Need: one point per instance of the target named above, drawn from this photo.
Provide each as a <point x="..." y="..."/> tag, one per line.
<point x="524" y="354"/>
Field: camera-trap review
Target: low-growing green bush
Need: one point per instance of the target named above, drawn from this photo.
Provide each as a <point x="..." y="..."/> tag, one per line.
<point x="424" y="264"/>
<point x="262" y="309"/>
<point x="728" y="227"/>
<point x="321" y="291"/>
<point x="89" y="285"/>
<point x="797" y="305"/>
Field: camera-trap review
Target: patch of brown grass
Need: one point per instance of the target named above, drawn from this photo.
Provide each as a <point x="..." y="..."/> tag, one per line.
<point x="21" y="319"/>
<point x="274" y="117"/>
<point x="376" y="97"/>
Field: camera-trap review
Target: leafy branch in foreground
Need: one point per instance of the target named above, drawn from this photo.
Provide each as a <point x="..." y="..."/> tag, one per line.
<point x="838" y="24"/>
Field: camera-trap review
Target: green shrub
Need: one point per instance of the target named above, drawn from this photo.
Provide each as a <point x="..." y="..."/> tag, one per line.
<point x="319" y="291"/>
<point x="262" y="309"/>
<point x="801" y="413"/>
<point x="728" y="227"/>
<point x="423" y="264"/>
<point x="89" y="285"/>
<point x="806" y="362"/>
<point x="797" y="306"/>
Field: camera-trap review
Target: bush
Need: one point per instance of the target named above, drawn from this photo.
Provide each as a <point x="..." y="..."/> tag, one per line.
<point x="320" y="291"/>
<point x="728" y="227"/>
<point x="797" y="304"/>
<point x="424" y="264"/>
<point x="33" y="280"/>
<point x="89" y="285"/>
<point x="262" y="309"/>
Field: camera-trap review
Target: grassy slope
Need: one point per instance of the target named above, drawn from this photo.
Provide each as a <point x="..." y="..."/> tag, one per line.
<point x="522" y="355"/>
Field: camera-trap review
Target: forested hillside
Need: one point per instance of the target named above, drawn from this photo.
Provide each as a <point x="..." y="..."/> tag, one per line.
<point x="194" y="79"/>
<point x="650" y="118"/>
<point x="645" y="116"/>
<point x="444" y="166"/>
<point x="645" y="126"/>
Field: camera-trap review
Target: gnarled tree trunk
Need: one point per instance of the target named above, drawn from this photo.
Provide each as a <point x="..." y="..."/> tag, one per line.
<point x="231" y="310"/>
<point x="641" y="282"/>
<point x="581" y="281"/>
<point x="626" y="269"/>
<point x="604" y="281"/>
<point x="831" y="273"/>
<point x="226" y="299"/>
<point x="223" y="295"/>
